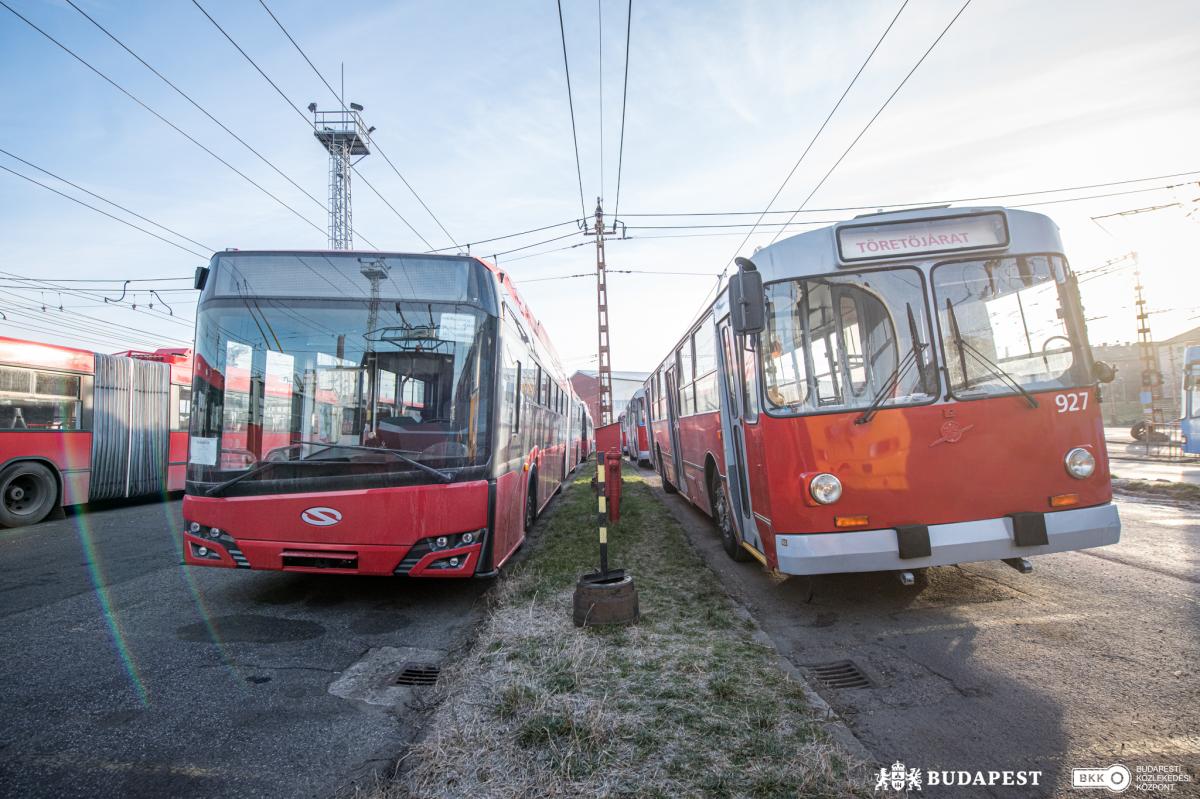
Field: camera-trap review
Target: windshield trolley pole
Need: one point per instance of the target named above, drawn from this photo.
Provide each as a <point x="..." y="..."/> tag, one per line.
<point x="607" y="596"/>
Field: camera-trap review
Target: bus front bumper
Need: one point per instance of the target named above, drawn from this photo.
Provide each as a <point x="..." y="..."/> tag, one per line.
<point x="958" y="542"/>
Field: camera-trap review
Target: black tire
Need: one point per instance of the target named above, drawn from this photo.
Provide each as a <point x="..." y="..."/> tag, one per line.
<point x="1138" y="431"/>
<point x="531" y="502"/>
<point x="28" y="492"/>
<point x="722" y="517"/>
<point x="662" y="474"/>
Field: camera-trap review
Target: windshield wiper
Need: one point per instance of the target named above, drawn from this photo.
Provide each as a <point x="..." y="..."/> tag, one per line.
<point x="987" y="363"/>
<point x="893" y="379"/>
<point x="259" y="469"/>
<point x="396" y="453"/>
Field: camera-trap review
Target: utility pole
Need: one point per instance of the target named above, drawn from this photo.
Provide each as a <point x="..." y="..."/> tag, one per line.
<point x="1151" y="394"/>
<point x="344" y="136"/>
<point x="604" y="368"/>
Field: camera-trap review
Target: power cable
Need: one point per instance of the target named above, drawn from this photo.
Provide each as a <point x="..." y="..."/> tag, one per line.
<point x="206" y="112"/>
<point x="105" y="213"/>
<point x="471" y="244"/>
<point x="166" y="121"/>
<point x="600" y="76"/>
<point x="871" y="121"/>
<point x="106" y="200"/>
<point x="817" y="135"/>
<point x="923" y="203"/>
<point x="374" y="143"/>
<point x="571" y="102"/>
<point x="624" y="97"/>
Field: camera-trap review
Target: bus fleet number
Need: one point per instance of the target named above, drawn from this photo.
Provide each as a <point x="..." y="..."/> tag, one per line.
<point x="1068" y="403"/>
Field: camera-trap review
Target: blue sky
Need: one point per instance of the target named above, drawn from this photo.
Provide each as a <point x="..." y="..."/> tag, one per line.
<point x="470" y="103"/>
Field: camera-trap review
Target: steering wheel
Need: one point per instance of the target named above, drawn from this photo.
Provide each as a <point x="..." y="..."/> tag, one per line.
<point x="1046" y="343"/>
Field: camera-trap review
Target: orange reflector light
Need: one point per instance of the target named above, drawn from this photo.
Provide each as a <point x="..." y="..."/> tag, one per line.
<point x="850" y="521"/>
<point x="1064" y="500"/>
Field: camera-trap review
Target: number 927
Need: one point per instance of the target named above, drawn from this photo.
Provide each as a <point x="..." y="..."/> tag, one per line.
<point x="1072" y="402"/>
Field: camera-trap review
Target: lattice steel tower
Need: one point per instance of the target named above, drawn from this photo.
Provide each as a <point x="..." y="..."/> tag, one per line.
<point x="603" y="367"/>
<point x="345" y="137"/>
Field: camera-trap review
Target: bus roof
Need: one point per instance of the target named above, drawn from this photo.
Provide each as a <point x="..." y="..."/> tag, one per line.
<point x="822" y="251"/>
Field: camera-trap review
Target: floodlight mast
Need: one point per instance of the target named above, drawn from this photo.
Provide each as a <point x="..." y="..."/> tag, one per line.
<point x="344" y="136"/>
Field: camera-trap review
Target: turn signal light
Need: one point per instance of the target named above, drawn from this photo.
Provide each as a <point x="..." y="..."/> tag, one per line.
<point x="850" y="521"/>
<point x="1064" y="500"/>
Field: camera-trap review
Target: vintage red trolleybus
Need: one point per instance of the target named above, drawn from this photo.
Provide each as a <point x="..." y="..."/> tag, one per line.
<point x="78" y="426"/>
<point x="370" y="413"/>
<point x="634" y="433"/>
<point x="898" y="391"/>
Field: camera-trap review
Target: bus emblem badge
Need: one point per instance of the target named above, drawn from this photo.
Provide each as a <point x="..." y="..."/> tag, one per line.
<point x="321" y="517"/>
<point x="952" y="432"/>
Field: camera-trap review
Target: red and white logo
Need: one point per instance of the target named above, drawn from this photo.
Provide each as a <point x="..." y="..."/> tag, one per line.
<point x="321" y="517"/>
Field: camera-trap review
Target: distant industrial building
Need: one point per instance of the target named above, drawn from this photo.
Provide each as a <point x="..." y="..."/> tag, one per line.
<point x="587" y="386"/>
<point x="1122" y="398"/>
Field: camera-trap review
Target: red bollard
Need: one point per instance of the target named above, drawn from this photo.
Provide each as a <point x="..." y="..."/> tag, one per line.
<point x="612" y="484"/>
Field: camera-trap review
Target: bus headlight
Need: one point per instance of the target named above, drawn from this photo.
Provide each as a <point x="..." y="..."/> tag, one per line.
<point x="825" y="488"/>
<point x="1080" y="463"/>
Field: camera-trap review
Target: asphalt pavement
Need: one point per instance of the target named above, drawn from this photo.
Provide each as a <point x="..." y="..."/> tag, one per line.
<point x="125" y="674"/>
<point x="1092" y="659"/>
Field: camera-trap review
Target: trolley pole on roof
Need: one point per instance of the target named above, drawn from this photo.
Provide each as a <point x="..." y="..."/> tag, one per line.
<point x="604" y="368"/>
<point x="344" y="136"/>
<point x="1151" y="394"/>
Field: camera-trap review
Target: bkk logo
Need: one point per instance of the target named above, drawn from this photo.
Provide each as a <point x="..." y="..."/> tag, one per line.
<point x="321" y="517"/>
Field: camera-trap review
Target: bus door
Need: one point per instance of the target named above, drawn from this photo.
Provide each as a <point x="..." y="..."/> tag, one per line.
<point x="733" y="422"/>
<point x="673" y="427"/>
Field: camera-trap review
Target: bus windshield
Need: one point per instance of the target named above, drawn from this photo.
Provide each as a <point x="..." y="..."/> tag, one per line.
<point x="303" y="394"/>
<point x="842" y="342"/>
<point x="1007" y="319"/>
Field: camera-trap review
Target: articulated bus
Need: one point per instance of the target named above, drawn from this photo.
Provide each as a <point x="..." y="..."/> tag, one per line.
<point x="634" y="437"/>
<point x="370" y="413"/>
<point x="78" y="426"/>
<point x="898" y="391"/>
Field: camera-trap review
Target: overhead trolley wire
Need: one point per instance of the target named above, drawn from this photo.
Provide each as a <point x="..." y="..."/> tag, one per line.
<point x="203" y="110"/>
<point x="471" y="244"/>
<point x="166" y="121"/>
<point x="600" y="76"/>
<point x="624" y="98"/>
<point x="571" y="103"/>
<point x="105" y="213"/>
<point x="871" y="121"/>
<point x="877" y="206"/>
<point x="45" y="171"/>
<point x="374" y="143"/>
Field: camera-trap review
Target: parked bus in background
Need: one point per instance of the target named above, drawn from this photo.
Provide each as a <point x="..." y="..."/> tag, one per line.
<point x="369" y="413"/>
<point x="78" y="426"/>
<point x="587" y="441"/>
<point x="903" y="390"/>
<point x="1190" y="403"/>
<point x="633" y="429"/>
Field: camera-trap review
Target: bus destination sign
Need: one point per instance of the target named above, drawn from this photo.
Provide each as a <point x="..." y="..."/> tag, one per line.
<point x="922" y="236"/>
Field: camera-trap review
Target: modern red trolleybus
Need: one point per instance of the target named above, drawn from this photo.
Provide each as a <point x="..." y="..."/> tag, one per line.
<point x="78" y="426"/>
<point x="369" y="413"/>
<point x="898" y="391"/>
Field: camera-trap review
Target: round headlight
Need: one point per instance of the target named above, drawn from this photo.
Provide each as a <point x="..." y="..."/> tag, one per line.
<point x="468" y="538"/>
<point x="825" y="488"/>
<point x="1080" y="463"/>
<point x="440" y="542"/>
<point x="215" y="532"/>
<point x="194" y="527"/>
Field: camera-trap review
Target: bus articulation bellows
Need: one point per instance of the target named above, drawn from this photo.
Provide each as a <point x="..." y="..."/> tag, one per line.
<point x="371" y="413"/>
<point x="903" y="390"/>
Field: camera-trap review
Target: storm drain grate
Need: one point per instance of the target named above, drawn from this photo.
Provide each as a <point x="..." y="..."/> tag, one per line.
<point x="842" y="674"/>
<point x="419" y="674"/>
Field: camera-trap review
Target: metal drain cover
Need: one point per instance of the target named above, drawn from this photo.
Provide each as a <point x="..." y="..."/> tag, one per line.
<point x="840" y="674"/>
<point x="418" y="674"/>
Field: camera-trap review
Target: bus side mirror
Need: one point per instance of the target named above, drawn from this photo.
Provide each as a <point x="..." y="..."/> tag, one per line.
<point x="747" y="308"/>
<point x="1104" y="372"/>
<point x="201" y="277"/>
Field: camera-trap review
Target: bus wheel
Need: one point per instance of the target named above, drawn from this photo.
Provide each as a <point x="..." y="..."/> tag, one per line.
<point x="531" y="502"/>
<point x="662" y="474"/>
<point x="724" y="519"/>
<point x="29" y="492"/>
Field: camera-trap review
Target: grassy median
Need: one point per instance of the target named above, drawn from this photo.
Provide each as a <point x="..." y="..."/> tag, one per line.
<point x="685" y="703"/>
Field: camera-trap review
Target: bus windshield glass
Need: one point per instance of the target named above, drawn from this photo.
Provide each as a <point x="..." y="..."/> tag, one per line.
<point x="847" y="341"/>
<point x="300" y="393"/>
<point x="1006" y="320"/>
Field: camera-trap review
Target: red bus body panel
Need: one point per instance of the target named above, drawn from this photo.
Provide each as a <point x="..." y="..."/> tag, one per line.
<point x="378" y="525"/>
